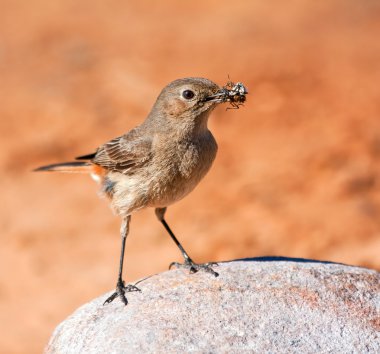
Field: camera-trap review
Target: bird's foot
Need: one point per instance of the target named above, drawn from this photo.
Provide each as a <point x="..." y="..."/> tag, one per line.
<point x="121" y="289"/>
<point x="195" y="267"/>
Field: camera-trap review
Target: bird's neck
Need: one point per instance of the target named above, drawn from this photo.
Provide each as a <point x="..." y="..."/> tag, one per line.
<point x="184" y="127"/>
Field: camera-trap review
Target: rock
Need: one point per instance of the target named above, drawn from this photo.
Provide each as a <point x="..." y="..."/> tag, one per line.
<point x="265" y="305"/>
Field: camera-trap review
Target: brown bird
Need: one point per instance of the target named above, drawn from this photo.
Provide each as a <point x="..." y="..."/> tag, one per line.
<point x="160" y="161"/>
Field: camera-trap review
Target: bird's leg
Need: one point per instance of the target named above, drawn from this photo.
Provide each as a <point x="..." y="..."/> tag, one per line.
<point x="121" y="289"/>
<point x="189" y="263"/>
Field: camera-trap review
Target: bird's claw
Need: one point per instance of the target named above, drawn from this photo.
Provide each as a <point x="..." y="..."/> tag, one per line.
<point x="194" y="267"/>
<point x="121" y="289"/>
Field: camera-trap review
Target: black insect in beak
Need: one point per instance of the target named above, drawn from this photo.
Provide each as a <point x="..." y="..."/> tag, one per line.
<point x="232" y="93"/>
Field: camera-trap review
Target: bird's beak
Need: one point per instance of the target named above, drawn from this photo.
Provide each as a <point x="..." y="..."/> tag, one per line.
<point x="219" y="97"/>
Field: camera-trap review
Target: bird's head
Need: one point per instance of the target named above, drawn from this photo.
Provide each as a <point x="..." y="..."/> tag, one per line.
<point x="188" y="97"/>
<point x="189" y="101"/>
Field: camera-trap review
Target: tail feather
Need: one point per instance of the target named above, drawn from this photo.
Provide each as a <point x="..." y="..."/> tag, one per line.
<point x="69" y="167"/>
<point x="86" y="157"/>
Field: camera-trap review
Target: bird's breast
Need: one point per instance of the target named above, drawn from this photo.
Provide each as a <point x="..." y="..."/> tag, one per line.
<point x="181" y="166"/>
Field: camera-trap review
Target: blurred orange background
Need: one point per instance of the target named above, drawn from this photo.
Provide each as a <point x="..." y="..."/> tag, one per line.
<point x="297" y="172"/>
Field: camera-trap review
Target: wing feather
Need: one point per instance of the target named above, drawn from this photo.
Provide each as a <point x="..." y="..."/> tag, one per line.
<point x="125" y="153"/>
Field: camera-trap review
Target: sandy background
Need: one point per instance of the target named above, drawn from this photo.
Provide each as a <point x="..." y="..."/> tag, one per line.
<point x="298" y="167"/>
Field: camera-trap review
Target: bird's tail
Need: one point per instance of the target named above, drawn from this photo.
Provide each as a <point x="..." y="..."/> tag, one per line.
<point x="68" y="167"/>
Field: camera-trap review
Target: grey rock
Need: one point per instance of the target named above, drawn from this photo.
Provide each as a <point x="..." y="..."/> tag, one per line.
<point x="267" y="305"/>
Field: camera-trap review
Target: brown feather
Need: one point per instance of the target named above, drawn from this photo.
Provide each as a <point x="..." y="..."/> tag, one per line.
<point x="125" y="153"/>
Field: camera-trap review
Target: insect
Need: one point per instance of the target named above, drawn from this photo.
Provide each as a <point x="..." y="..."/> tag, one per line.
<point x="232" y="93"/>
<point x="235" y="94"/>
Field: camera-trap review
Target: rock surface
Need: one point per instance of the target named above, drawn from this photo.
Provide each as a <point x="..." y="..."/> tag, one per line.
<point x="267" y="305"/>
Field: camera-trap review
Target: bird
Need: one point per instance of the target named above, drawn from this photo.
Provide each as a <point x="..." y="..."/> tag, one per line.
<point x="158" y="162"/>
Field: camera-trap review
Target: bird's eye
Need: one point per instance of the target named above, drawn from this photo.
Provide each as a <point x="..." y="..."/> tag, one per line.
<point x="188" y="94"/>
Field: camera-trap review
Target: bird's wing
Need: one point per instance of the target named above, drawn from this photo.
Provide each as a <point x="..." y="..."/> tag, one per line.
<point x="123" y="154"/>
